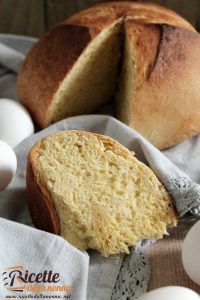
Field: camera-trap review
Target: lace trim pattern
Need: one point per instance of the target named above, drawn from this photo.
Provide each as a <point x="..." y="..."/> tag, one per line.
<point x="186" y="195"/>
<point x="133" y="278"/>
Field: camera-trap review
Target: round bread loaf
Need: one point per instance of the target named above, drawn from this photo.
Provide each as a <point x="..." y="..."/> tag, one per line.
<point x="94" y="193"/>
<point x="145" y="55"/>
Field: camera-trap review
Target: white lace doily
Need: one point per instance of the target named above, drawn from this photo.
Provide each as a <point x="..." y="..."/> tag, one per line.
<point x="186" y="195"/>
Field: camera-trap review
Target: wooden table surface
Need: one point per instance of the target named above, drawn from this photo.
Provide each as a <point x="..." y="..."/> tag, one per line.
<point x="166" y="262"/>
<point x="32" y="18"/>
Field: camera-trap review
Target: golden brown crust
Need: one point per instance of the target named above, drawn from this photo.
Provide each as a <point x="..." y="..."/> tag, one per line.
<point x="145" y="42"/>
<point x="165" y="109"/>
<point x="46" y="66"/>
<point x="101" y="15"/>
<point x="41" y="207"/>
<point x="55" y="54"/>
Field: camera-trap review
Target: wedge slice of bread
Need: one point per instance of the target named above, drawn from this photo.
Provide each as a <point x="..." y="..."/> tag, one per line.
<point x="94" y="193"/>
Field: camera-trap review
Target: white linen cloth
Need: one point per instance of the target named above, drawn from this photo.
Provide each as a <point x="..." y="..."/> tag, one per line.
<point x="39" y="251"/>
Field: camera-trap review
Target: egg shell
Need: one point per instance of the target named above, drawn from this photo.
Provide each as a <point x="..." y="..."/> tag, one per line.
<point x="8" y="164"/>
<point x="191" y="253"/>
<point x="171" y="293"/>
<point x="15" y="122"/>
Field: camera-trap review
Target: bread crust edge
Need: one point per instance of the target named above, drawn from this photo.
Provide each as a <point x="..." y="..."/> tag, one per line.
<point x="41" y="207"/>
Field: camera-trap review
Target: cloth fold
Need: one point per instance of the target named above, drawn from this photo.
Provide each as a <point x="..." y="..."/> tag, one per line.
<point x="99" y="277"/>
<point x="43" y="252"/>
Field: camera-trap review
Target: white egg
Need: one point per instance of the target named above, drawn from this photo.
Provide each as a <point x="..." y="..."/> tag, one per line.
<point x="8" y="164"/>
<point x="15" y="122"/>
<point x="171" y="293"/>
<point x="191" y="253"/>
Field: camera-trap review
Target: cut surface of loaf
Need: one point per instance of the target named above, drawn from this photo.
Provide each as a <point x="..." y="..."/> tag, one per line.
<point x="100" y="195"/>
<point x="93" y="80"/>
<point x="75" y="67"/>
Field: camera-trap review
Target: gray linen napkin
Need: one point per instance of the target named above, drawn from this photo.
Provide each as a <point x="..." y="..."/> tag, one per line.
<point x="104" y="273"/>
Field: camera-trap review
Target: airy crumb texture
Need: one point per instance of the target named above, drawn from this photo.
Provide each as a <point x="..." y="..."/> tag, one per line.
<point x="104" y="197"/>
